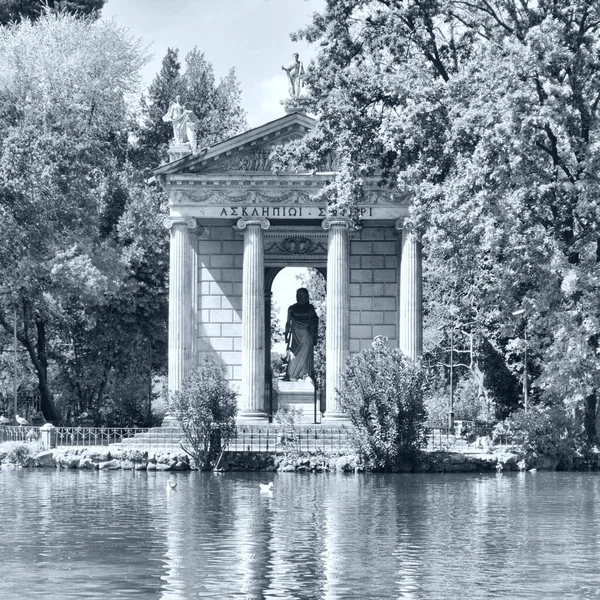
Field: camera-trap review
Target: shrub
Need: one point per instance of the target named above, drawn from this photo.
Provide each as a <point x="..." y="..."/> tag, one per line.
<point x="205" y="409"/>
<point x="20" y="453"/>
<point x="288" y="439"/>
<point x="382" y="394"/>
<point x="543" y="432"/>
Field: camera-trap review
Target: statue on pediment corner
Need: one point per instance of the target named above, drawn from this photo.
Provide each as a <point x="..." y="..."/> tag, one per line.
<point x="295" y="74"/>
<point x="184" y="121"/>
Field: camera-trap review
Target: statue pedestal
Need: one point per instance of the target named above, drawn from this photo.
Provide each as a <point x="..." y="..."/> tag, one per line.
<point x="301" y="395"/>
<point x="177" y="151"/>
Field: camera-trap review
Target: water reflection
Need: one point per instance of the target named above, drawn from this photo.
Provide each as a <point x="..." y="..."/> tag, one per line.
<point x="79" y="534"/>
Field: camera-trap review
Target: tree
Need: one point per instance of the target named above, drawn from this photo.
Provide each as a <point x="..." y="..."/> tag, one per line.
<point x="218" y="106"/>
<point x="13" y="11"/>
<point x="64" y="134"/>
<point x="486" y="115"/>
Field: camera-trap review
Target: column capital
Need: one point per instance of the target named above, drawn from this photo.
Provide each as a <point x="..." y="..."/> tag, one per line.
<point x="337" y="222"/>
<point x="402" y="226"/>
<point x="264" y="223"/>
<point x="168" y="223"/>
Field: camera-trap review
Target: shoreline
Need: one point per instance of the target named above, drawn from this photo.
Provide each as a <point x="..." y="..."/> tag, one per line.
<point x="119" y="457"/>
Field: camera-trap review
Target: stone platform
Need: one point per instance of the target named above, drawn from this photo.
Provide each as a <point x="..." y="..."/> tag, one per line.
<point x="301" y="395"/>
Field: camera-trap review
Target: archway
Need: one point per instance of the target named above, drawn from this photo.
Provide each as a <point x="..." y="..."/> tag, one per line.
<point x="281" y="285"/>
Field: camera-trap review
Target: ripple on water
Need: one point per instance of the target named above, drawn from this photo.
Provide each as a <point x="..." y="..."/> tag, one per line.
<point x="82" y="534"/>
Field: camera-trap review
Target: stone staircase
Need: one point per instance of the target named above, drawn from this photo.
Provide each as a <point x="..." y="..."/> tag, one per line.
<point x="253" y="438"/>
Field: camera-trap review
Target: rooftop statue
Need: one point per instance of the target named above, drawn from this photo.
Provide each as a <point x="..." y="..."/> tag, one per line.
<point x="301" y="330"/>
<point x="175" y="116"/>
<point x="185" y="122"/>
<point x="295" y="73"/>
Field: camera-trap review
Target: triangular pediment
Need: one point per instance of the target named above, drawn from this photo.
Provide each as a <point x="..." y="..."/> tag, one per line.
<point x="247" y="152"/>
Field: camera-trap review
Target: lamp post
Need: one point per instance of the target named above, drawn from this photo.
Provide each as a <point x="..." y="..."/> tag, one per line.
<point x="517" y="313"/>
<point x="451" y="378"/>
<point x="15" y="361"/>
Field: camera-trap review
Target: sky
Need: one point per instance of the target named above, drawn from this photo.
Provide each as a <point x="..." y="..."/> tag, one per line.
<point x="252" y="36"/>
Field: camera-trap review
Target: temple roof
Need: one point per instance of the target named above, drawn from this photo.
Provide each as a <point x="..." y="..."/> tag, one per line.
<point x="248" y="151"/>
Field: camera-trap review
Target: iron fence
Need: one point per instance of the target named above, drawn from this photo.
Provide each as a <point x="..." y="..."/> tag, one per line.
<point x="12" y="433"/>
<point x="252" y="438"/>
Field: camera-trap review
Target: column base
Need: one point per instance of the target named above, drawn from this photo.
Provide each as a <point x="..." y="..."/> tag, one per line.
<point x="335" y="418"/>
<point x="252" y="417"/>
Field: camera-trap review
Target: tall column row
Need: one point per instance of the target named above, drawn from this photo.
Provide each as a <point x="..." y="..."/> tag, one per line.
<point x="183" y="306"/>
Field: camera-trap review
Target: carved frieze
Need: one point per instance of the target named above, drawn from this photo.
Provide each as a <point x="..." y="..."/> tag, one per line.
<point x="253" y="161"/>
<point x="306" y="245"/>
<point x="254" y="197"/>
<point x="296" y="245"/>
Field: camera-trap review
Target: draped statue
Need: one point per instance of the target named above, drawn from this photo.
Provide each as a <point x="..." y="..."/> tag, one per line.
<point x="295" y="73"/>
<point x="301" y="332"/>
<point x="184" y="121"/>
<point x="175" y="116"/>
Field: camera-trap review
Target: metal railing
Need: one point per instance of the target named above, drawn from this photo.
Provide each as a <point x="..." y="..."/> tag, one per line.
<point x="245" y="439"/>
<point x="302" y="439"/>
<point x="12" y="433"/>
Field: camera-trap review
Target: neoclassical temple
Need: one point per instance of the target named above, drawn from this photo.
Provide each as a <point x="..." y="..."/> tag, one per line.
<point x="234" y="224"/>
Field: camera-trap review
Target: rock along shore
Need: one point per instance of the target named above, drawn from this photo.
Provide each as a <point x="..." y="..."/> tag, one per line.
<point x="118" y="457"/>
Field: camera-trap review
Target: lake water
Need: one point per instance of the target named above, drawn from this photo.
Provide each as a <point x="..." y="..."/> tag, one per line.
<point x="119" y="534"/>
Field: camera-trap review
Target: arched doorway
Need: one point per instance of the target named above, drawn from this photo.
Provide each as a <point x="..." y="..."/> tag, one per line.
<point x="281" y="285"/>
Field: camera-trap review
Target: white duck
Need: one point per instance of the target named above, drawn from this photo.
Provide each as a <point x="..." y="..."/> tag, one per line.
<point x="171" y="485"/>
<point x="21" y="420"/>
<point x="4" y="420"/>
<point x="266" y="488"/>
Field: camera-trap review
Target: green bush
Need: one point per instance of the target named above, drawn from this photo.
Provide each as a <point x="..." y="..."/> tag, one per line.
<point x="20" y="453"/>
<point x="205" y="409"/>
<point x="382" y="394"/>
<point x="288" y="438"/>
<point x="543" y="432"/>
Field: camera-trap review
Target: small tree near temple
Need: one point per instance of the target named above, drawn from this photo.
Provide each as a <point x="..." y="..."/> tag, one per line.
<point x="205" y="409"/>
<point x="382" y="394"/>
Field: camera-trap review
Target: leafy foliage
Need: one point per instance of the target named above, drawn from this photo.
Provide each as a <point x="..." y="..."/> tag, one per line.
<point x="382" y="395"/>
<point x="205" y="409"/>
<point x="544" y="433"/>
<point x="485" y="114"/>
<point x="288" y="422"/>
<point x="12" y="11"/>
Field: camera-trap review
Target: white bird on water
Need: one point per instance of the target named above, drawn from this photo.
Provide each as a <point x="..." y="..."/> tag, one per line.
<point x="171" y="485"/>
<point x="21" y="420"/>
<point x="265" y="488"/>
<point x="4" y="420"/>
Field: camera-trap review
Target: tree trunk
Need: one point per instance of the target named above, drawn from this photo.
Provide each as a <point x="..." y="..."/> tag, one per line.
<point x="38" y="359"/>
<point x="589" y="417"/>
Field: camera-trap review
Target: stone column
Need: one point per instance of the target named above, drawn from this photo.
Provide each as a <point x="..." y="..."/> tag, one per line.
<point x="337" y="341"/>
<point x="183" y="272"/>
<point x="253" y="319"/>
<point x="410" y="306"/>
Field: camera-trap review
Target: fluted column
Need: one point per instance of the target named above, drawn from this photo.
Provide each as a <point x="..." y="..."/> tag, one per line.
<point x="182" y="283"/>
<point x="253" y="319"/>
<point x="410" y="306"/>
<point x="337" y="341"/>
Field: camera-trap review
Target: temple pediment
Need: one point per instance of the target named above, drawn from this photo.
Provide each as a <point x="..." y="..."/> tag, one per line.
<point x="234" y="179"/>
<point x="247" y="152"/>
